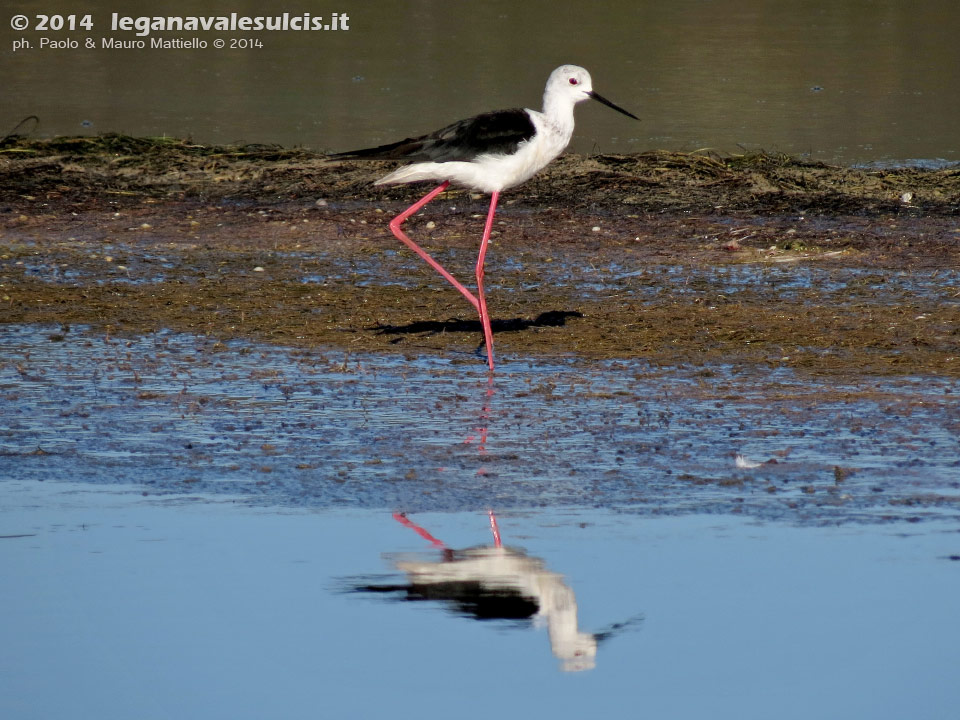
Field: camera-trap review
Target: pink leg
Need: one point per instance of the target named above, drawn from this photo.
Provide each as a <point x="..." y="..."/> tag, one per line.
<point x="406" y="522"/>
<point x="494" y="529"/>
<point x="482" y="307"/>
<point x="413" y="209"/>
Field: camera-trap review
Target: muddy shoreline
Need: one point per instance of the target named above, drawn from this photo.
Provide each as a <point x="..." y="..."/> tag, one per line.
<point x="673" y="258"/>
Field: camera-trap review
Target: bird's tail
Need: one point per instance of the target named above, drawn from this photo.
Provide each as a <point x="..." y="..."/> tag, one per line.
<point x="414" y="173"/>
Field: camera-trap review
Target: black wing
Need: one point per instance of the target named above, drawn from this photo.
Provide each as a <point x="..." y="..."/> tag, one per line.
<point x="498" y="132"/>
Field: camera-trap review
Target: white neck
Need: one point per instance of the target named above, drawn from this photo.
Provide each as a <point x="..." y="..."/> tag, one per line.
<point x="558" y="107"/>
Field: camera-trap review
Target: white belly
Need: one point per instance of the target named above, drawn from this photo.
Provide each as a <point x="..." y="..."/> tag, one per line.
<point x="492" y="173"/>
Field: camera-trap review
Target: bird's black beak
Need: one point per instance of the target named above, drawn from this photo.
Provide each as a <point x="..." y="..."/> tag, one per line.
<point x="601" y="99"/>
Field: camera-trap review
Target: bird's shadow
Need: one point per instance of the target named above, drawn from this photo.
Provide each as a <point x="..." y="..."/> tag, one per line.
<point x="551" y="318"/>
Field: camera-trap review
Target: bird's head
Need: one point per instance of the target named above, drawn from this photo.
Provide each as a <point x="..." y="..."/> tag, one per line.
<point x="575" y="83"/>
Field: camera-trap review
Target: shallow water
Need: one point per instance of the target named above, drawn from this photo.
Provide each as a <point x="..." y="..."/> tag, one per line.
<point x="862" y="81"/>
<point x="802" y="275"/>
<point x="119" y="606"/>
<point x="173" y="412"/>
<point x="191" y="528"/>
<point x="650" y="283"/>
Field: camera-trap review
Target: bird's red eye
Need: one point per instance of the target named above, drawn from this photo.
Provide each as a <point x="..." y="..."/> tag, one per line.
<point x="574" y="81"/>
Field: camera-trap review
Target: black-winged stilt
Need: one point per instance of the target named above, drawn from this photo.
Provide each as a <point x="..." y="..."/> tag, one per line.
<point x="490" y="582"/>
<point x="501" y="582"/>
<point x="489" y="153"/>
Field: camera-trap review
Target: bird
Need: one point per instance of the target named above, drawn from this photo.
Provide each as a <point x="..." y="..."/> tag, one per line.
<point x="499" y="582"/>
<point x="488" y="153"/>
<point x="490" y="582"/>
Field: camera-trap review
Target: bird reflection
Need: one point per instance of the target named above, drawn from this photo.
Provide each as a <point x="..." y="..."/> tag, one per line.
<point x="494" y="582"/>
